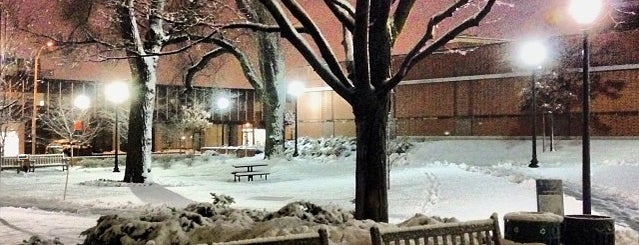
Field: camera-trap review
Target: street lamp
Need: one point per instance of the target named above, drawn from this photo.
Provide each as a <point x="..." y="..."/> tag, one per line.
<point x="295" y="89"/>
<point x="222" y="104"/>
<point x="585" y="12"/>
<point x="116" y="93"/>
<point x="34" y="113"/>
<point x="533" y="54"/>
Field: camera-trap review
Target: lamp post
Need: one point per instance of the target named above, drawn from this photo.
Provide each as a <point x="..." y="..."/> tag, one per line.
<point x="533" y="54"/>
<point x="116" y="93"/>
<point x="222" y="104"/>
<point x="295" y="89"/>
<point x="585" y="12"/>
<point x="34" y="113"/>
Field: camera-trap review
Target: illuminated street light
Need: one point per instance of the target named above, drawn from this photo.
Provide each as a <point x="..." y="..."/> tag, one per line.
<point x="116" y="93"/>
<point x="533" y="54"/>
<point x="295" y="89"/>
<point x="82" y="102"/>
<point x="34" y="113"/>
<point x="585" y="12"/>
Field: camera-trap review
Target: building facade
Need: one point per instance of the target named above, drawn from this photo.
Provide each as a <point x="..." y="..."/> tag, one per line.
<point x="477" y="91"/>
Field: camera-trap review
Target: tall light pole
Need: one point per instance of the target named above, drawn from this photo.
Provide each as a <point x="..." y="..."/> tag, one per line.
<point x="295" y="89"/>
<point x="585" y="12"/>
<point x="222" y="104"/>
<point x="533" y="54"/>
<point x="116" y="92"/>
<point x="34" y="113"/>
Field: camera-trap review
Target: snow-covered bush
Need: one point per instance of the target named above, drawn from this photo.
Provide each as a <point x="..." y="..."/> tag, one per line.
<point x="338" y="147"/>
<point x="36" y="240"/>
<point x="222" y="200"/>
<point x="205" y="223"/>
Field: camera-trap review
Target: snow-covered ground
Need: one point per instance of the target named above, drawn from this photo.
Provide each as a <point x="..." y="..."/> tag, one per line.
<point x="465" y="179"/>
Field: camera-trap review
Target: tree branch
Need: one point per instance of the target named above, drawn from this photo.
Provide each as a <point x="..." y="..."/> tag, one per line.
<point x="343" y="11"/>
<point x="360" y="45"/>
<point x="244" y="60"/>
<point x="296" y="39"/>
<point x="325" y="50"/>
<point x="420" y="52"/>
<point x="190" y="72"/>
<point x="401" y="15"/>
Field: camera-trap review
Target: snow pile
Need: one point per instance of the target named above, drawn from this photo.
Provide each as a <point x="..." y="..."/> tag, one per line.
<point x="217" y="222"/>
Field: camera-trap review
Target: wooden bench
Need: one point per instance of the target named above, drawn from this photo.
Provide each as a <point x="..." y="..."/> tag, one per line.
<point x="11" y="162"/>
<point x="249" y="175"/>
<point x="319" y="238"/>
<point x="49" y="160"/>
<point x="469" y="232"/>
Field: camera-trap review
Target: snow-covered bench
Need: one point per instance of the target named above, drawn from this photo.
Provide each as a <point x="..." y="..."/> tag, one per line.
<point x="11" y="162"/>
<point x="319" y="238"/>
<point x="48" y="160"/>
<point x="484" y="231"/>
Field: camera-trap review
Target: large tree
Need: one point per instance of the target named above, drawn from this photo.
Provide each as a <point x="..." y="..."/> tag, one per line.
<point x="367" y="81"/>
<point x="140" y="32"/>
<point x="261" y="61"/>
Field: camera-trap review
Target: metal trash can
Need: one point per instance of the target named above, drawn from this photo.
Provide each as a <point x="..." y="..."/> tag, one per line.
<point x="525" y="227"/>
<point x="588" y="230"/>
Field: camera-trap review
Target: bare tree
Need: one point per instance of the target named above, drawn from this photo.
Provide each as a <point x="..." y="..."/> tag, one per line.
<point x="12" y="80"/>
<point x="367" y="81"/>
<point x="625" y="15"/>
<point x="264" y="70"/>
<point x="123" y="122"/>
<point x="558" y="86"/>
<point x="62" y="120"/>
<point x="140" y="32"/>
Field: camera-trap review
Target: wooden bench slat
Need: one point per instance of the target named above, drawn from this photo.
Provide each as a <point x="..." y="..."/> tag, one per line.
<point x="319" y="238"/>
<point x="475" y="231"/>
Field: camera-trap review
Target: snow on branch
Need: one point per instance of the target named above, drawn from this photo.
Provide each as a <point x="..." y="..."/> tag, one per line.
<point x="343" y="11"/>
<point x="423" y="48"/>
<point x="296" y="39"/>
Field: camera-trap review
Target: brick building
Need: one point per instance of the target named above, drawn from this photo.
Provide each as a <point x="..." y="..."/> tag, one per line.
<point x="476" y="91"/>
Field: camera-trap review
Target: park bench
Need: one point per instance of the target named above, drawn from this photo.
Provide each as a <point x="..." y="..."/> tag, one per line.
<point x="467" y="233"/>
<point x="49" y="160"/>
<point x="11" y="162"/>
<point x="319" y="238"/>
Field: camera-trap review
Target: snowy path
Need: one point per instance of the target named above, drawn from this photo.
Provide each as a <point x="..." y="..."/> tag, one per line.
<point x="158" y="195"/>
<point x="610" y="201"/>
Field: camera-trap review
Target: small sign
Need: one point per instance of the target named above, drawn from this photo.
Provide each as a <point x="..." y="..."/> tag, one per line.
<point x="550" y="196"/>
<point x="77" y="125"/>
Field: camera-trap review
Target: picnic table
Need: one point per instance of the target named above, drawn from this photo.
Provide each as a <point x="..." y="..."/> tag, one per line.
<point x="249" y="171"/>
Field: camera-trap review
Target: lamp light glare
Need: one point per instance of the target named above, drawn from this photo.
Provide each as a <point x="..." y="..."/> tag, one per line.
<point x="223" y="103"/>
<point x="295" y="88"/>
<point x="117" y="92"/>
<point x="533" y="53"/>
<point x="585" y="11"/>
<point x="82" y="102"/>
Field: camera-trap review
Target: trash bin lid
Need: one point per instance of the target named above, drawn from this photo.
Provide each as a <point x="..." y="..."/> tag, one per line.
<point x="534" y="217"/>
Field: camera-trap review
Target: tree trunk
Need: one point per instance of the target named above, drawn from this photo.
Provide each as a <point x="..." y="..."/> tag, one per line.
<point x="140" y="135"/>
<point x="271" y="65"/>
<point x="371" y="195"/>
